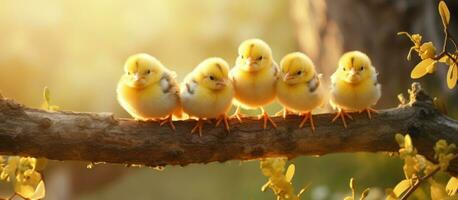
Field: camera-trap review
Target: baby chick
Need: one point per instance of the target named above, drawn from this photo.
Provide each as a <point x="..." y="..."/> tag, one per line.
<point x="207" y="92"/>
<point x="354" y="85"/>
<point x="148" y="90"/>
<point x="299" y="88"/>
<point x="254" y="77"/>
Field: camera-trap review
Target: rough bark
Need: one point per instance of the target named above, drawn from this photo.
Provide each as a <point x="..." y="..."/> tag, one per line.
<point x="98" y="137"/>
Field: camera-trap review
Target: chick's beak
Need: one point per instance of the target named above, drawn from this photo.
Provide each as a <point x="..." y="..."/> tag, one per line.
<point x="221" y="83"/>
<point x="249" y="61"/>
<point x="352" y="72"/>
<point x="286" y="77"/>
<point x="137" y="77"/>
<point x="353" y="76"/>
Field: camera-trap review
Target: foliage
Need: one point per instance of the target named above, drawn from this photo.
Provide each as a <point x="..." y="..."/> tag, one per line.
<point x="278" y="182"/>
<point x="427" y="52"/>
<point x="47" y="101"/>
<point x="25" y="175"/>
<point x="418" y="170"/>
<point x="25" y="172"/>
<point x="353" y="188"/>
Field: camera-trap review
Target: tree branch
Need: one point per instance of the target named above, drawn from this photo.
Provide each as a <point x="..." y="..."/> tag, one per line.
<point x="100" y="137"/>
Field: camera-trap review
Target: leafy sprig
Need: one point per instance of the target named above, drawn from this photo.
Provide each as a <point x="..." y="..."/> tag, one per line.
<point x="428" y="55"/>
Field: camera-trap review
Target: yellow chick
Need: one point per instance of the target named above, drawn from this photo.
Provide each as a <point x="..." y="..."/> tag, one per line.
<point x="148" y="90"/>
<point x="299" y="88"/>
<point x="207" y="92"/>
<point x="254" y="77"/>
<point x="354" y="85"/>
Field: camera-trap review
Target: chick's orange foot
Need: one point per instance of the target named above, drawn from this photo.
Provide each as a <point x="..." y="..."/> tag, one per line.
<point x="237" y="115"/>
<point x="369" y="111"/>
<point x="169" y="121"/>
<point x="266" y="118"/>
<point x="342" y="114"/>
<point x="307" y="117"/>
<point x="223" y="118"/>
<point x="198" y="127"/>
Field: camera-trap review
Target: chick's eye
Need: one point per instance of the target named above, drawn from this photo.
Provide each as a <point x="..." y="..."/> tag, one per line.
<point x="148" y="72"/>
<point x="344" y="68"/>
<point x="128" y="73"/>
<point x="361" y="68"/>
<point x="259" y="58"/>
<point x="299" y="73"/>
<point x="211" y="78"/>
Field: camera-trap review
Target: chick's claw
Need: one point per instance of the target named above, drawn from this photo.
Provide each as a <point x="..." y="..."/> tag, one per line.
<point x="307" y="116"/>
<point x="198" y="126"/>
<point x="237" y="115"/>
<point x="342" y="114"/>
<point x="169" y="121"/>
<point x="224" y="118"/>
<point x="266" y="118"/>
<point x="369" y="111"/>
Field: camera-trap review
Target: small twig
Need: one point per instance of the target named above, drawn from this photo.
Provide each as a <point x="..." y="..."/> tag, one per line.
<point x="12" y="196"/>
<point x="444" y="46"/>
<point x="418" y="183"/>
<point x="450" y="37"/>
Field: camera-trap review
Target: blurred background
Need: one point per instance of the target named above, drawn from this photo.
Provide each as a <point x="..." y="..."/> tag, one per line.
<point x="77" y="49"/>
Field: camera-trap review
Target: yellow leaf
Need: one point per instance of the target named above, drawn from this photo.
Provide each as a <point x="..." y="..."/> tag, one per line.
<point x="32" y="187"/>
<point x="452" y="76"/>
<point x="427" y="50"/>
<point x="452" y="186"/>
<point x="444" y="13"/>
<point x="290" y="172"/>
<point x="421" y="68"/>
<point x="401" y="187"/>
<point x="408" y="143"/>
<point x="390" y="194"/>
<point x="348" y="198"/>
<point x="40" y="191"/>
<point x="431" y="69"/>
<point x="444" y="59"/>
<point x="46" y="97"/>
<point x="400" y="139"/>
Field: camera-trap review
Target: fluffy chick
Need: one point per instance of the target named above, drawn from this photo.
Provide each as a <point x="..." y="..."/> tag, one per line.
<point x="299" y="88"/>
<point x="148" y="90"/>
<point x="207" y="92"/>
<point x="354" y="85"/>
<point x="254" y="77"/>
